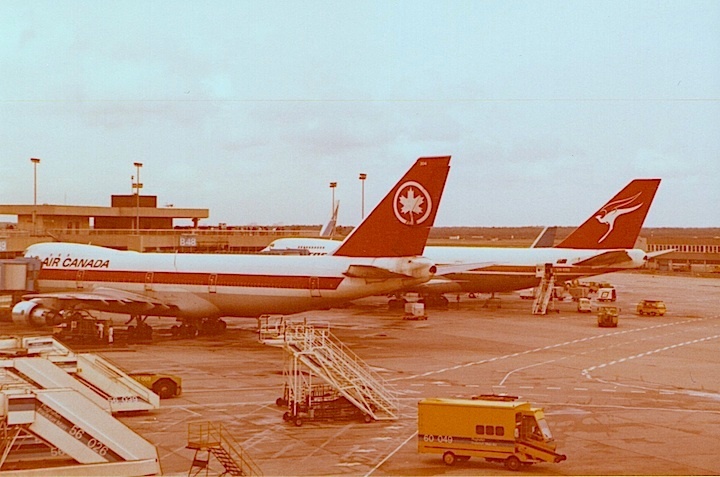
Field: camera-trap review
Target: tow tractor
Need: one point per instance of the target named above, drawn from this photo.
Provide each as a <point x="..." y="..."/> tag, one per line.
<point x="608" y="316"/>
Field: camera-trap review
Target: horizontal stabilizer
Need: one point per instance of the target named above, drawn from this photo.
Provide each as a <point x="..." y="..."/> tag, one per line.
<point x="462" y="267"/>
<point x="605" y="259"/>
<point x="650" y="255"/>
<point x="371" y="272"/>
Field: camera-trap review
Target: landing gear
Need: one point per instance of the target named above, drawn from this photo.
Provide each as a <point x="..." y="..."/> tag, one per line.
<point x="435" y="301"/>
<point x="211" y="327"/>
<point x="397" y="303"/>
<point x="141" y="332"/>
<point x="204" y="327"/>
<point x="185" y="330"/>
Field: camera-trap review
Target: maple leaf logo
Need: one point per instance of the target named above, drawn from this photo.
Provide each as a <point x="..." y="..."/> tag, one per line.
<point x="412" y="203"/>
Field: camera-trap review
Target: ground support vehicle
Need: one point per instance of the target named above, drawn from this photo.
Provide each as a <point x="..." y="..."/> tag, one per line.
<point x="608" y="316"/>
<point x="651" y="308"/>
<point x="606" y="294"/>
<point x="503" y="431"/>
<point x="415" y="311"/>
<point x="164" y="385"/>
<point x="584" y="305"/>
<point x="80" y="327"/>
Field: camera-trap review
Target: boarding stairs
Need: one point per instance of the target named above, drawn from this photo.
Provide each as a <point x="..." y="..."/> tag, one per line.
<point x="48" y="364"/>
<point x="208" y="439"/>
<point x="60" y="432"/>
<point x="325" y="356"/>
<point x="545" y="290"/>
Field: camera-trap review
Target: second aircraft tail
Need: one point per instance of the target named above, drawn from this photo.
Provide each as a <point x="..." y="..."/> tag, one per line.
<point x="618" y="223"/>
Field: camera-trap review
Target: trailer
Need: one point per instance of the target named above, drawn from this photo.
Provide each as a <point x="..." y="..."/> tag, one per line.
<point x="319" y="402"/>
<point x="504" y="431"/>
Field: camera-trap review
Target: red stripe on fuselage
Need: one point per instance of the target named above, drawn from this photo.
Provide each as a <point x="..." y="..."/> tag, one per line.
<point x="191" y="278"/>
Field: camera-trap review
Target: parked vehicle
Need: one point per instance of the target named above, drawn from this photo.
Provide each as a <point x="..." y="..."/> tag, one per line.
<point x="606" y="294"/>
<point x="499" y="430"/>
<point x="651" y="308"/>
<point x="584" y="305"/>
<point x="608" y="316"/>
<point x="164" y="385"/>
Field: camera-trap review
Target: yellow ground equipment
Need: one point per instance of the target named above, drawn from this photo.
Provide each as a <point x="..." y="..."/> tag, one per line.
<point x="651" y="308"/>
<point x="503" y="431"/>
<point x="608" y="316"/>
<point x="164" y="385"/>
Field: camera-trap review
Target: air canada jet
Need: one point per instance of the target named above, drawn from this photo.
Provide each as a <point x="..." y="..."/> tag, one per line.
<point x="604" y="243"/>
<point x="382" y="255"/>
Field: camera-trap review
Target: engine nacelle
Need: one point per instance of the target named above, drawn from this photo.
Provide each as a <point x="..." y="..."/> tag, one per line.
<point x="32" y="313"/>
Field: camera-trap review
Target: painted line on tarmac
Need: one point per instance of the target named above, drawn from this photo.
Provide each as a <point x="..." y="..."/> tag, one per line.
<point x="548" y="347"/>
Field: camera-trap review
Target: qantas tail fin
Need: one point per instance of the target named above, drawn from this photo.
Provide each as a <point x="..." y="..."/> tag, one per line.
<point x="617" y="224"/>
<point x="400" y="224"/>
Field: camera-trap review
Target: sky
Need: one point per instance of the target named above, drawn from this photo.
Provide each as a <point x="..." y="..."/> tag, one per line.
<point x="251" y="108"/>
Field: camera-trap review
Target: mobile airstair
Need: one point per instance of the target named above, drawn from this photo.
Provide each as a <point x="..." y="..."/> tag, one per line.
<point x="62" y="432"/>
<point x="96" y="378"/>
<point x="312" y="351"/>
<point x="545" y="290"/>
<point x="207" y="440"/>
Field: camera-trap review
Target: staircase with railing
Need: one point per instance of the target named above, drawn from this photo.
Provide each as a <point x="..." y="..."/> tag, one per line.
<point x="545" y="291"/>
<point x="213" y="439"/>
<point x="325" y="356"/>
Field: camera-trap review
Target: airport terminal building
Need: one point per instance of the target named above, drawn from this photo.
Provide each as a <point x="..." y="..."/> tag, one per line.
<point x="137" y="223"/>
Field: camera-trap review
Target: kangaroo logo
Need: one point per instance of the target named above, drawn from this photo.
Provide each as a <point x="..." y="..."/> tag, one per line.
<point x="412" y="204"/>
<point x="610" y="212"/>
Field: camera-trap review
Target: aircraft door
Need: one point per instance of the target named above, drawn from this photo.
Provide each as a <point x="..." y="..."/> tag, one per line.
<point x="212" y="283"/>
<point x="79" y="283"/>
<point x="149" y="281"/>
<point x="315" y="286"/>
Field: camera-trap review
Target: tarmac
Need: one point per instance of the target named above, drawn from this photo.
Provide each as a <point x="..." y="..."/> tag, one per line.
<point x="639" y="399"/>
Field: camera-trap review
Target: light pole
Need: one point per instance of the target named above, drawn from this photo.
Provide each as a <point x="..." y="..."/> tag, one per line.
<point x="363" y="176"/>
<point x="333" y="185"/>
<point x="138" y="186"/>
<point x="35" y="162"/>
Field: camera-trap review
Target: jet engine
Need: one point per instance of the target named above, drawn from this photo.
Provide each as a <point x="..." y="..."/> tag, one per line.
<point x="32" y="313"/>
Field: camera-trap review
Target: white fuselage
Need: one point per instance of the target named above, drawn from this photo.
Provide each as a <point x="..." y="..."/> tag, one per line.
<point x="504" y="269"/>
<point x="198" y="285"/>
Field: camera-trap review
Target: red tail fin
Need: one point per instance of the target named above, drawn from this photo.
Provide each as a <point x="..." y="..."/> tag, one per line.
<point x="617" y="224"/>
<point x="399" y="225"/>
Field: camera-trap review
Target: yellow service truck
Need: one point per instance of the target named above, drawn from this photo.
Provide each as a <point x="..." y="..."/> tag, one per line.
<point x="503" y="431"/>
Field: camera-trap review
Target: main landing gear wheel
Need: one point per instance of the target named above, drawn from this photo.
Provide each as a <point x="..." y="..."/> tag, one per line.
<point x="449" y="458"/>
<point x="212" y="327"/>
<point x="142" y="332"/>
<point x="397" y="304"/>
<point x="184" y="331"/>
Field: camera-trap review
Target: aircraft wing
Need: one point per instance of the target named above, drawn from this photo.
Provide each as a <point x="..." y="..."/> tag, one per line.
<point x="612" y="257"/>
<point x="104" y="299"/>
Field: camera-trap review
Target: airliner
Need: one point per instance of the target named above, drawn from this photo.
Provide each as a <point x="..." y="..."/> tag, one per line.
<point x="383" y="254"/>
<point x="604" y="243"/>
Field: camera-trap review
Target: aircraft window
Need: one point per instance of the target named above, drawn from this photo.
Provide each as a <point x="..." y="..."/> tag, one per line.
<point x="490" y="430"/>
<point x="480" y="430"/>
<point x="499" y="431"/>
